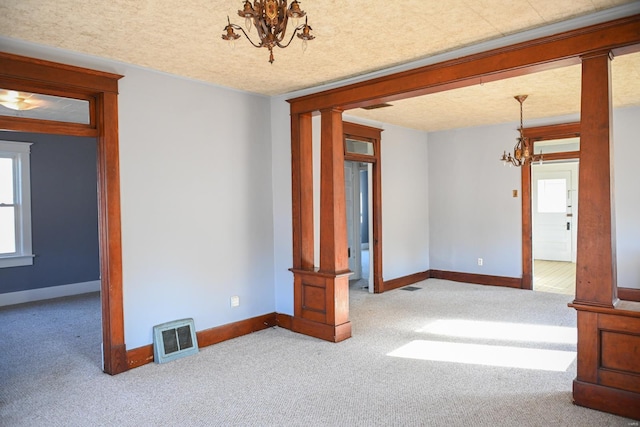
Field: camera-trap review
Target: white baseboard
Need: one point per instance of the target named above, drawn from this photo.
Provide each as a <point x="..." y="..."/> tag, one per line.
<point x="31" y="295"/>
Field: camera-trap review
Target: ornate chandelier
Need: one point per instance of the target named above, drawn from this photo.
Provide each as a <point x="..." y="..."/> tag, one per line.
<point x="521" y="152"/>
<point x="270" y="17"/>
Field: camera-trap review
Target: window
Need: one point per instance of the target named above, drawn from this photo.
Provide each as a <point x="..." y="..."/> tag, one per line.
<point x="359" y="147"/>
<point x="552" y="195"/>
<point x="15" y="204"/>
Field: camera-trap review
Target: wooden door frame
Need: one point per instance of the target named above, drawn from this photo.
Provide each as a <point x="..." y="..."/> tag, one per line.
<point x="373" y="135"/>
<point x="101" y="90"/>
<point x="532" y="135"/>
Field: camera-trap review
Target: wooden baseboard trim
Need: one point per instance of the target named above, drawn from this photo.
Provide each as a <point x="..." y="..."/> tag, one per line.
<point x="139" y="356"/>
<point x="629" y="294"/>
<point x="331" y="333"/>
<point x="143" y="355"/>
<point x="477" y="279"/>
<point x="401" y="282"/>
<point x="607" y="399"/>
<point x="284" y="320"/>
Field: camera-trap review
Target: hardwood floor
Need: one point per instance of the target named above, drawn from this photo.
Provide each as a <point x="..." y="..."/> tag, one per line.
<point x="554" y="276"/>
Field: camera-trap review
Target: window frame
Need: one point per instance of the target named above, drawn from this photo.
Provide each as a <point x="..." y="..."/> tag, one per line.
<point x="20" y="153"/>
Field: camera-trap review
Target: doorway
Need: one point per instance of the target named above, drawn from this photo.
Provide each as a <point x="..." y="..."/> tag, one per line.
<point x="554" y="199"/>
<point x="359" y="223"/>
<point x="364" y="205"/>
<point x="557" y="145"/>
<point x="100" y="90"/>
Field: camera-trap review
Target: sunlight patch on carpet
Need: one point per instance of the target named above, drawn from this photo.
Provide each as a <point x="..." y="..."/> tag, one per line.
<point x="502" y="331"/>
<point x="488" y="355"/>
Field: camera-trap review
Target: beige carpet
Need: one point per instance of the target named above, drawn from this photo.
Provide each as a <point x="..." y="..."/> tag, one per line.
<point x="50" y="368"/>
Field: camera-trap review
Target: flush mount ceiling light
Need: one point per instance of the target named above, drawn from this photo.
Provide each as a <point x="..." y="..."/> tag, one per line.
<point x="521" y="151"/>
<point x="270" y="18"/>
<point x="17" y="101"/>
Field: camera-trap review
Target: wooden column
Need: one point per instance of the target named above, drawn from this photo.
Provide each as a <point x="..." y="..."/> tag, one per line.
<point x="333" y="216"/>
<point x="302" y="191"/>
<point x="321" y="296"/>
<point x="596" y="257"/>
<point x="608" y="370"/>
<point x="527" y="225"/>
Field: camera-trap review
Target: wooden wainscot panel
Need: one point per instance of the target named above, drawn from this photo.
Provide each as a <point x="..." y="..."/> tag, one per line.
<point x="629" y="323"/>
<point x="313" y="290"/>
<point x="621" y="352"/>
<point x="588" y="345"/>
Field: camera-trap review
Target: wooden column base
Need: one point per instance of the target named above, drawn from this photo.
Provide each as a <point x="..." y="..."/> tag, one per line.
<point x="607" y="399"/>
<point x="321" y="304"/>
<point x="609" y="359"/>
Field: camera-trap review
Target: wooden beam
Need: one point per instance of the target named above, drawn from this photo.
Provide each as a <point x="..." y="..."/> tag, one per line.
<point x="55" y="75"/>
<point x="545" y="53"/>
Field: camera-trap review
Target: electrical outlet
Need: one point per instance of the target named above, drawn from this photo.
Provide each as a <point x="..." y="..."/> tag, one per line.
<point x="480" y="262"/>
<point x="235" y="301"/>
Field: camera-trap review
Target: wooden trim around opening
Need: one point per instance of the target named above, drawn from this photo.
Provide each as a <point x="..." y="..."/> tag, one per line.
<point x="539" y="133"/>
<point x="39" y="76"/>
<point x="373" y="135"/>
<point x="143" y="355"/>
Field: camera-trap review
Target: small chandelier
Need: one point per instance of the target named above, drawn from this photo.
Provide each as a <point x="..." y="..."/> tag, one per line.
<point x="270" y="17"/>
<point x="521" y="152"/>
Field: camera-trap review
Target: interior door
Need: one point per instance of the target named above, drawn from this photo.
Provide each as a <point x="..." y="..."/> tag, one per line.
<point x="553" y="212"/>
<point x="352" y="192"/>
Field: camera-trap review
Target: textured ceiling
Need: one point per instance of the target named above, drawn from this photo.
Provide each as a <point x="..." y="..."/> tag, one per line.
<point x="550" y="93"/>
<point x="352" y="38"/>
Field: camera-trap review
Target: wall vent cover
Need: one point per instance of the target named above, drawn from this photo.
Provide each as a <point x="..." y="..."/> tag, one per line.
<point x="173" y="340"/>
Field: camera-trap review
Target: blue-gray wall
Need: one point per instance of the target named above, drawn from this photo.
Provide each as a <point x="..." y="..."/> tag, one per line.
<point x="64" y="213"/>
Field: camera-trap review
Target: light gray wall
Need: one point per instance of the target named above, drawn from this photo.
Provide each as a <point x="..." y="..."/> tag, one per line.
<point x="282" y="225"/>
<point x="196" y="203"/>
<point x="472" y="212"/>
<point x="405" y="202"/>
<point x="473" y="215"/>
<point x="626" y="128"/>
<point x="196" y="197"/>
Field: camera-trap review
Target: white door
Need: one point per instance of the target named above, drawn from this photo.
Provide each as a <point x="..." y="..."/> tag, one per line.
<point x="352" y="196"/>
<point x="553" y="202"/>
